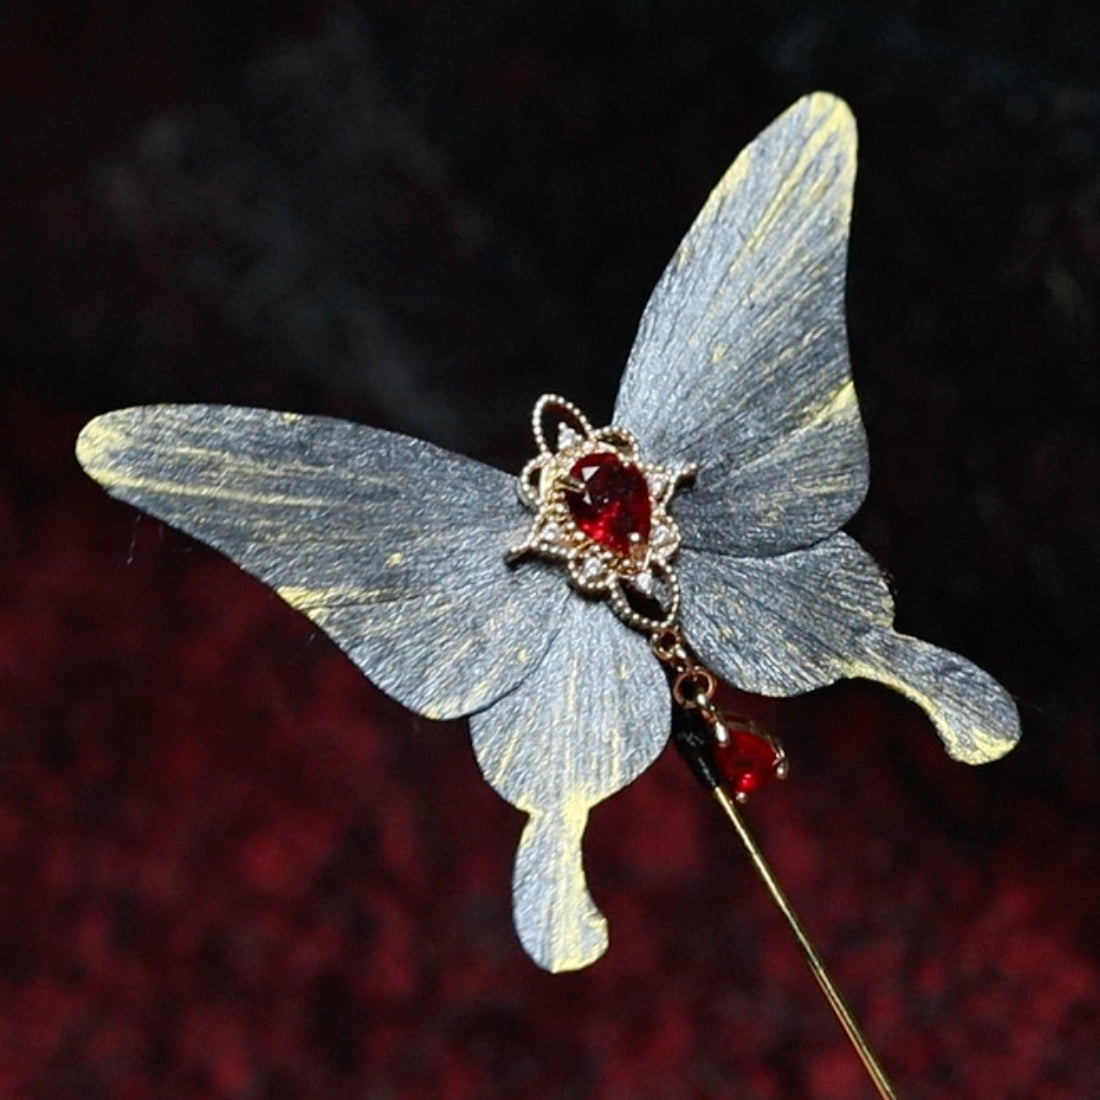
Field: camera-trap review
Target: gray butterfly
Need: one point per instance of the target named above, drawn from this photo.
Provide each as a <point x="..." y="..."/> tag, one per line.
<point x="400" y="550"/>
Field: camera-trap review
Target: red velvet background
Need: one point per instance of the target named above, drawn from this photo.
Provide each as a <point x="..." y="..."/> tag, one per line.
<point x="231" y="868"/>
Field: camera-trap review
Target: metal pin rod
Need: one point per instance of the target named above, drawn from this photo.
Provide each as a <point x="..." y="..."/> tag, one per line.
<point x="832" y="995"/>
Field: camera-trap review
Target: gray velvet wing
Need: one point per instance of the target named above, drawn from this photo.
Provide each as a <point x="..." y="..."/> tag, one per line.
<point x="801" y="620"/>
<point x="592" y="719"/>
<point x="741" y="360"/>
<point x="394" y="547"/>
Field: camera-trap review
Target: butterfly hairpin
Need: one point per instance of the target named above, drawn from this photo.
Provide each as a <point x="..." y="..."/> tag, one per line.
<point x="695" y="538"/>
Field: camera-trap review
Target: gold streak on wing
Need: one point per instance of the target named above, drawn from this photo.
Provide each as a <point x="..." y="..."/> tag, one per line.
<point x="828" y="486"/>
<point x="735" y="175"/>
<point x="112" y="479"/>
<point x="106" y="444"/>
<point x="102" y="449"/>
<point x="842" y="401"/>
<point x="97" y="445"/>
<point x="217" y="458"/>
<point x="836" y="124"/>
<point x="578" y="930"/>
<point x="334" y="597"/>
<point x="498" y="778"/>
<point x="838" y="406"/>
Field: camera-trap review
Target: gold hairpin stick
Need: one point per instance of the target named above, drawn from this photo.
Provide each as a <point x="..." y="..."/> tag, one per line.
<point x="832" y="994"/>
<point x="728" y="753"/>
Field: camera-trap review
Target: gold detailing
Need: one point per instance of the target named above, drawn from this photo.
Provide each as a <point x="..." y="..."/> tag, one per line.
<point x="640" y="584"/>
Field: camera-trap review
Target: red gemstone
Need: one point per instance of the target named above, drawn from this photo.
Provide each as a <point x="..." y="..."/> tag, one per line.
<point x="612" y="508"/>
<point x="748" y="762"/>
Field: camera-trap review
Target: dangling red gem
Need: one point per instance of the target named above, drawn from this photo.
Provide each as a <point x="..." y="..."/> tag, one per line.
<point x="747" y="762"/>
<point x="613" y="507"/>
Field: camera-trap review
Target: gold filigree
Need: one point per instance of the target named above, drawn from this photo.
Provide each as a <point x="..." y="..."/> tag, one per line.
<point x="640" y="583"/>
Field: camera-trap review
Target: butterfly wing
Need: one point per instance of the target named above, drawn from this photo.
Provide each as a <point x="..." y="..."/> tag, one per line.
<point x="800" y="620"/>
<point x="741" y="359"/>
<point x="590" y="722"/>
<point x="394" y="547"/>
<point x="741" y="366"/>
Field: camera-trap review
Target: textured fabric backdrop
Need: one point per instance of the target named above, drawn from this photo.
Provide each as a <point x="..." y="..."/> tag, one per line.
<point x="228" y="866"/>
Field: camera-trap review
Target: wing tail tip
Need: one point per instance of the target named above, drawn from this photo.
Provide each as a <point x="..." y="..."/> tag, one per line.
<point x="826" y="106"/>
<point x="976" y="718"/>
<point x="981" y="747"/>
<point x="93" y="444"/>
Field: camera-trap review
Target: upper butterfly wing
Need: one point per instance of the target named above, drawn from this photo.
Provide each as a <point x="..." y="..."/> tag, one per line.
<point x="740" y="364"/>
<point x="394" y="547"/>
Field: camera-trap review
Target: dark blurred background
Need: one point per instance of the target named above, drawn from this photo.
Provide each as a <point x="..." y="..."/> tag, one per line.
<point x="228" y="866"/>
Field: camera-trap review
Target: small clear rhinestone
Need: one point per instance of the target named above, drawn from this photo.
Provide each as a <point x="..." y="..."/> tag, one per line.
<point x="593" y="570"/>
<point x="567" y="436"/>
<point x="551" y="535"/>
<point x="661" y="536"/>
<point x="658" y="484"/>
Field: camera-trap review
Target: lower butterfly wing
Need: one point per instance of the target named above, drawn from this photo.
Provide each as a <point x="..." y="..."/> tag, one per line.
<point x="740" y="364"/>
<point x="394" y="547"/>
<point x="590" y="722"/>
<point x="804" y="619"/>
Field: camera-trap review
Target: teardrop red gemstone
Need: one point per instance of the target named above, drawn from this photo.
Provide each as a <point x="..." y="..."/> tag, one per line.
<point x="613" y="507"/>
<point x="748" y="762"/>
